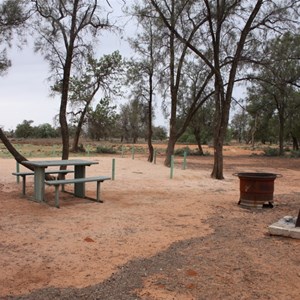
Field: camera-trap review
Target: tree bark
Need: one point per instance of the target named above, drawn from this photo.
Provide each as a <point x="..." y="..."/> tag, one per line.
<point x="17" y="155"/>
<point x="170" y="151"/>
<point x="75" y="147"/>
<point x="295" y="143"/>
<point x="13" y="151"/>
<point x="197" y="135"/>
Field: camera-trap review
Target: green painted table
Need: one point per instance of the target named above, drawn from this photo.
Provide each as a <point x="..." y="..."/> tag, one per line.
<point x="39" y="174"/>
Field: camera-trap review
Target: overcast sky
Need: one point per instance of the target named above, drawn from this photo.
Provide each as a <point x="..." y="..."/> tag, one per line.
<point x="24" y="90"/>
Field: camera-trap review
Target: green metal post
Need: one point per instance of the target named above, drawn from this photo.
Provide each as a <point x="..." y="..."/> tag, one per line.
<point x="113" y="169"/>
<point x="172" y="167"/>
<point x="132" y="152"/>
<point x="122" y="151"/>
<point x="184" y="160"/>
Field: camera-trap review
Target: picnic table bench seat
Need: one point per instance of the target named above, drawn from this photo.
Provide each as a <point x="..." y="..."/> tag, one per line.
<point x="62" y="182"/>
<point x="29" y="173"/>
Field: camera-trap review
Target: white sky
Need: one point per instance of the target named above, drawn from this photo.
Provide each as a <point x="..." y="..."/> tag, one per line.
<point x="24" y="90"/>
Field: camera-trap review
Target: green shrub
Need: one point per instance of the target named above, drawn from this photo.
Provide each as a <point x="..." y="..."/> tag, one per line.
<point x="180" y="151"/>
<point x="271" y="151"/>
<point x="295" y="153"/>
<point x="105" y="149"/>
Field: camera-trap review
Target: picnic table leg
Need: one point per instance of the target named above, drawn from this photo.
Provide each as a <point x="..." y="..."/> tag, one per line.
<point x="57" y="196"/>
<point x="24" y="185"/>
<point x="79" y="188"/>
<point x="39" y="187"/>
<point x="98" y="191"/>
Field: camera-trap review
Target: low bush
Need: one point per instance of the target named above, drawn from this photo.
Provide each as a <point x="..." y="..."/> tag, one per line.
<point x="271" y="151"/>
<point x="105" y="149"/>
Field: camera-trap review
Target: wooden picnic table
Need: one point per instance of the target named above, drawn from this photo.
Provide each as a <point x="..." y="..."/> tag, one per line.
<point x="39" y="174"/>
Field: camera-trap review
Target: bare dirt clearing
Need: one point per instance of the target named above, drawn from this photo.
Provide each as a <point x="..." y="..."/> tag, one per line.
<point x="153" y="237"/>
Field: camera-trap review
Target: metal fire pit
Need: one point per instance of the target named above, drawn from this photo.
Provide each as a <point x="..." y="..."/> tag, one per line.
<point x="256" y="189"/>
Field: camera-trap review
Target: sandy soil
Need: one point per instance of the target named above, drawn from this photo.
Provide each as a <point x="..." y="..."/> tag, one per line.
<point x="153" y="237"/>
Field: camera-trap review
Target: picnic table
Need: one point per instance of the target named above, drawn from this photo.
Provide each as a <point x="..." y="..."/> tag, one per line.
<point x="39" y="174"/>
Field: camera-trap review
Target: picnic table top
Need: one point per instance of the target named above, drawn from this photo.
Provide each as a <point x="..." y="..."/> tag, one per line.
<point x="66" y="162"/>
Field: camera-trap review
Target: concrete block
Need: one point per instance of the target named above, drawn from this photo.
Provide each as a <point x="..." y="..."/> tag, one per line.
<point x="285" y="227"/>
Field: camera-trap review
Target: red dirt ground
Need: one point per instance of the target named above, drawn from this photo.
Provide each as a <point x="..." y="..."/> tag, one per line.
<point x="153" y="237"/>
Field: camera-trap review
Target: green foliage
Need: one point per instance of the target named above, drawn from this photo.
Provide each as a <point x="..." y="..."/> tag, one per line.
<point x="189" y="152"/>
<point x="159" y="133"/>
<point x="105" y="149"/>
<point x="12" y="17"/>
<point x="102" y="121"/>
<point x="295" y="154"/>
<point x="187" y="138"/>
<point x="45" y="131"/>
<point x="25" y="130"/>
<point x="271" y="151"/>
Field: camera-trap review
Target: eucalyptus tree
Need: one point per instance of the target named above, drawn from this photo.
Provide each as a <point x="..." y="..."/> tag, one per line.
<point x="102" y="121"/>
<point x="225" y="34"/>
<point x="97" y="76"/>
<point x="67" y="32"/>
<point x="180" y="99"/>
<point x="133" y="120"/>
<point x="278" y="79"/>
<point x="143" y="70"/>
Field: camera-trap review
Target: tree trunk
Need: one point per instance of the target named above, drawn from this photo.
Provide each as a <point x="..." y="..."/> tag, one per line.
<point x="281" y="134"/>
<point x="198" y="140"/>
<point x="13" y="151"/>
<point x="18" y="156"/>
<point x="150" y="131"/>
<point x="170" y="151"/>
<point x="75" y="147"/>
<point x="295" y="143"/>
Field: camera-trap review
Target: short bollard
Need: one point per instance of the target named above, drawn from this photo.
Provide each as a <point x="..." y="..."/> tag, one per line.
<point x="113" y="172"/>
<point x="184" y="160"/>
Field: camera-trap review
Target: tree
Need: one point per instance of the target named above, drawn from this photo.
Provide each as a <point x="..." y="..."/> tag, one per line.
<point x="102" y="120"/>
<point x="225" y="34"/>
<point x="24" y="130"/>
<point x="67" y="30"/>
<point x="101" y="75"/>
<point x="44" y="131"/>
<point x="278" y="79"/>
<point x="142" y="70"/>
<point x="133" y="116"/>
<point x="12" y="18"/>
<point x="182" y="98"/>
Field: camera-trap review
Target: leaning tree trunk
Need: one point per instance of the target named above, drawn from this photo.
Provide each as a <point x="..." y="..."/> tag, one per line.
<point x="13" y="151"/>
<point x="17" y="155"/>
